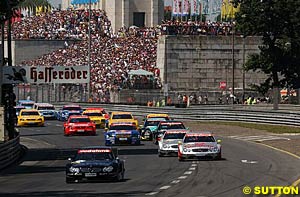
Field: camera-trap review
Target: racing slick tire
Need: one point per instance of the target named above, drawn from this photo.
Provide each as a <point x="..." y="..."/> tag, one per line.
<point x="219" y="157"/>
<point x="120" y="176"/>
<point x="70" y="180"/>
<point x="180" y="159"/>
<point x="160" y="155"/>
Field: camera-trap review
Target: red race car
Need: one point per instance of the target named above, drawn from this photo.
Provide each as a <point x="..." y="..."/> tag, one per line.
<point x="79" y="124"/>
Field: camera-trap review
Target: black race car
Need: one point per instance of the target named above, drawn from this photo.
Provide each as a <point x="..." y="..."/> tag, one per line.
<point x="100" y="162"/>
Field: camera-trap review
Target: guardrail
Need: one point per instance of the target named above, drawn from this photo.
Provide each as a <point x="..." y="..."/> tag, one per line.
<point x="238" y="113"/>
<point x="10" y="152"/>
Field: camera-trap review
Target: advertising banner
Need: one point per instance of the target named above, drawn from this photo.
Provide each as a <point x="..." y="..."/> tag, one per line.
<point x="45" y="75"/>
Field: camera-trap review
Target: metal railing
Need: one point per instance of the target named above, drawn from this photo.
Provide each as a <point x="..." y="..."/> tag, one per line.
<point x="10" y="152"/>
<point x="212" y="113"/>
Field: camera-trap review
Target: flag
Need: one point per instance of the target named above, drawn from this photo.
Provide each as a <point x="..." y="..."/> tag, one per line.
<point x="175" y="6"/>
<point x="185" y="7"/>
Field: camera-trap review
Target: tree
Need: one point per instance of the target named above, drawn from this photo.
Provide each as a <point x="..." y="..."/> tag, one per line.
<point x="278" y="22"/>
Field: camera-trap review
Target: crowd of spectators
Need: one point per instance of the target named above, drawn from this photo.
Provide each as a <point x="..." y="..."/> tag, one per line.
<point x="113" y="54"/>
<point x="189" y="27"/>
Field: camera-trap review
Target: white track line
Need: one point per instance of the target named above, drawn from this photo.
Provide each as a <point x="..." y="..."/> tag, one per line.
<point x="165" y="187"/>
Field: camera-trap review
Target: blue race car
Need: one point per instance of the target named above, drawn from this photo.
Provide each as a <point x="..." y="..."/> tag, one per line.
<point x="122" y="133"/>
<point x="28" y="104"/>
<point x="64" y="113"/>
<point x="46" y="109"/>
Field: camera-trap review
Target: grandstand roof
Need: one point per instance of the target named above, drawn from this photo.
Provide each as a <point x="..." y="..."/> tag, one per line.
<point x="83" y="1"/>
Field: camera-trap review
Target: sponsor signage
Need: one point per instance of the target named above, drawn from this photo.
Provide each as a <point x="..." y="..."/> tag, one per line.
<point x="222" y="84"/>
<point x="45" y="75"/>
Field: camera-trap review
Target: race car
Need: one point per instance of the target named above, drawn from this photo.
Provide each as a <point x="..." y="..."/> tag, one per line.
<point x="116" y="117"/>
<point x="79" y="124"/>
<point x="30" y="117"/>
<point x="122" y="133"/>
<point x="28" y="104"/>
<point x="150" y="125"/>
<point x="169" y="142"/>
<point x="199" y="144"/>
<point x="96" y="116"/>
<point x="46" y="109"/>
<point x="63" y="113"/>
<point x="163" y="126"/>
<point x="99" y="162"/>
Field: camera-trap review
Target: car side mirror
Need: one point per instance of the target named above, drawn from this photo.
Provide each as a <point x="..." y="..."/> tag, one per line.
<point x="179" y="142"/>
<point x="187" y="128"/>
<point x="219" y="141"/>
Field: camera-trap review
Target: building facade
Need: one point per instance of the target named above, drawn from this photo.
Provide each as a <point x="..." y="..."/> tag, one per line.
<point x="145" y="13"/>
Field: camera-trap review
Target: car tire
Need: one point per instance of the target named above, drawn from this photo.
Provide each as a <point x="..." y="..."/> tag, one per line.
<point x="180" y="159"/>
<point x="70" y="180"/>
<point x="160" y="155"/>
<point x="120" y="176"/>
<point x="219" y="157"/>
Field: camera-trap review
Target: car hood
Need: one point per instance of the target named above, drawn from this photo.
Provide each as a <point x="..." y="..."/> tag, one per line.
<point x="83" y="163"/>
<point x="31" y="117"/>
<point x="171" y="141"/>
<point x="123" y="131"/>
<point x="200" y="145"/>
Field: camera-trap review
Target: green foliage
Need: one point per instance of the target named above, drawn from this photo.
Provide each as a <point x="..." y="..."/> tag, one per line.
<point x="278" y="22"/>
<point x="34" y="3"/>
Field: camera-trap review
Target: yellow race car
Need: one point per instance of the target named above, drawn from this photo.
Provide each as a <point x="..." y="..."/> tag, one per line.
<point x="165" y="116"/>
<point x="116" y="117"/>
<point x="96" y="116"/>
<point x="30" y="117"/>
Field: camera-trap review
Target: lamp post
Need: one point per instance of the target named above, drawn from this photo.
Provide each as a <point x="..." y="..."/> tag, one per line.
<point x="233" y="60"/>
<point x="89" y="49"/>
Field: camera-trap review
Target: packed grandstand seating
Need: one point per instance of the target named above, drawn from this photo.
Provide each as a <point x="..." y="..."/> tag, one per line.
<point x="113" y="54"/>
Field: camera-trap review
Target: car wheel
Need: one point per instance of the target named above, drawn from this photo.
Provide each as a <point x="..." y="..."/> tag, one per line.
<point x="160" y="155"/>
<point x="70" y="180"/>
<point x="120" y="176"/>
<point x="219" y="157"/>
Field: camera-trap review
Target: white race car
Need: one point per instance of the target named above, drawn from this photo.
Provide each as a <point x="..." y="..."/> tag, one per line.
<point x="198" y="144"/>
<point x="169" y="141"/>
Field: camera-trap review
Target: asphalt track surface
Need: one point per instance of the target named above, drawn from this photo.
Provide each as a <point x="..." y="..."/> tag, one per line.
<point x="42" y="170"/>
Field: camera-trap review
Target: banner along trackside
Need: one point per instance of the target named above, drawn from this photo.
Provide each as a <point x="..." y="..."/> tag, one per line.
<point x="45" y="75"/>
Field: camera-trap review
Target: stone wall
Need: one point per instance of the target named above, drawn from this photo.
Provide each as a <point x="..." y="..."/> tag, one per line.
<point x="199" y="63"/>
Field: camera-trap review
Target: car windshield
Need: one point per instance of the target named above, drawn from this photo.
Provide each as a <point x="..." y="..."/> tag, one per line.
<point x="122" y="127"/>
<point x="199" y="139"/>
<point x="30" y="113"/>
<point x="46" y="108"/>
<point x="79" y="120"/>
<point x="93" y="114"/>
<point x="72" y="108"/>
<point x="151" y="123"/>
<point x="174" y="136"/>
<point x="172" y="126"/>
<point x="94" y="156"/>
<point x="122" y="116"/>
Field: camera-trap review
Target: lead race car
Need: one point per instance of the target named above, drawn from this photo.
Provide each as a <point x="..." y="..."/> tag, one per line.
<point x="199" y="144"/>
<point x="99" y="162"/>
<point x="122" y="133"/>
<point x="169" y="142"/>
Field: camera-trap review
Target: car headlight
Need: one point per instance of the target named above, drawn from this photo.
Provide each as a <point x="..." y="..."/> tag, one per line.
<point x="166" y="146"/>
<point x="215" y="149"/>
<point x="108" y="169"/>
<point x="74" y="170"/>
